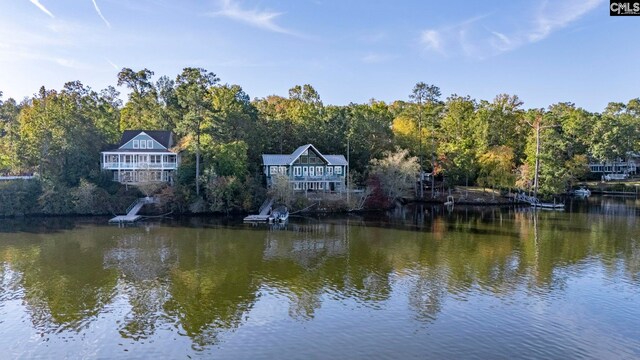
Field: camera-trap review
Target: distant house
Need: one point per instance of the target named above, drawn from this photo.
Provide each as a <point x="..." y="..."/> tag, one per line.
<point x="307" y="169"/>
<point x="143" y="156"/>
<point x="627" y="166"/>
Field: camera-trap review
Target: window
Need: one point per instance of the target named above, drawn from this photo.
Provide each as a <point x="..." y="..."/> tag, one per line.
<point x="312" y="171"/>
<point x="149" y="144"/>
<point x="136" y="144"/>
<point x="338" y="170"/>
<point x="273" y="170"/>
<point x="305" y="171"/>
<point x="329" y="170"/>
<point x="321" y="187"/>
<point x="143" y="144"/>
<point x="319" y="170"/>
<point x="282" y="170"/>
<point x="297" y="171"/>
<point x="296" y="186"/>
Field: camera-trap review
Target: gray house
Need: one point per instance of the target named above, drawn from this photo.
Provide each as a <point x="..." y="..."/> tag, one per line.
<point x="307" y="169"/>
<point x="143" y="156"/>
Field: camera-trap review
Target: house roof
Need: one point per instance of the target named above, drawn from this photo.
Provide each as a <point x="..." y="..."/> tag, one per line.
<point x="159" y="151"/>
<point x="271" y="159"/>
<point x="336" y="159"/>
<point x="281" y="159"/>
<point x="161" y="136"/>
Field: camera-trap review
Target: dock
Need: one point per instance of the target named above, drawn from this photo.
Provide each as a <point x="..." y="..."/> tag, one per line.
<point x="132" y="212"/>
<point x="263" y="215"/>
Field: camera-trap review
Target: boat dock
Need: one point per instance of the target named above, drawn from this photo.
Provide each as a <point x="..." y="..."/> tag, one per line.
<point x="132" y="212"/>
<point x="263" y="215"/>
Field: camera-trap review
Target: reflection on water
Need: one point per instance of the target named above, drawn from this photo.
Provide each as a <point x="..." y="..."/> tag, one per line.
<point x="465" y="283"/>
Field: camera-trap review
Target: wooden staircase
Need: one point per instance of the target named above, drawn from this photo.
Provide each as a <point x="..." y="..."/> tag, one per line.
<point x="132" y="211"/>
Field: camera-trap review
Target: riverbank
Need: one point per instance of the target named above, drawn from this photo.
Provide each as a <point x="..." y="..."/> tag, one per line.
<point x="469" y="195"/>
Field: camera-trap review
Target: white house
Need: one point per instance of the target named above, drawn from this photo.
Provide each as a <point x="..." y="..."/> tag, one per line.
<point x="143" y="156"/>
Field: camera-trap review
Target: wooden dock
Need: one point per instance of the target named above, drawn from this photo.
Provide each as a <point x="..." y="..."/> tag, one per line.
<point x="263" y="215"/>
<point x="132" y="212"/>
<point x="125" y="219"/>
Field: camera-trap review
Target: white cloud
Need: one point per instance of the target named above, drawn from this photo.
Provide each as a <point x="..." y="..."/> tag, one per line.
<point x="113" y="64"/>
<point x="432" y="40"/>
<point x="95" y="5"/>
<point x="261" y="19"/>
<point x="479" y="39"/>
<point x="559" y="15"/>
<point x="41" y="7"/>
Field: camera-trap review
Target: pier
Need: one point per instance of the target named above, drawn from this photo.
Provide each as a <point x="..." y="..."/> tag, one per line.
<point x="263" y="215"/>
<point x="132" y="212"/>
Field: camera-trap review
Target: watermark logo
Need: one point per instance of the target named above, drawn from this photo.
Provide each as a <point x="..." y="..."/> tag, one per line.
<point x="624" y="8"/>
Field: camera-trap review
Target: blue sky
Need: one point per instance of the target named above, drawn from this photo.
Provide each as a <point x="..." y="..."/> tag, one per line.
<point x="349" y="50"/>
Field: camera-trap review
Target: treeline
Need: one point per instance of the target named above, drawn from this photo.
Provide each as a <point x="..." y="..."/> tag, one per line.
<point x="59" y="134"/>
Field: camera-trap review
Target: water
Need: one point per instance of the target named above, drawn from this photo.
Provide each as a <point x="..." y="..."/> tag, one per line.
<point x="416" y="283"/>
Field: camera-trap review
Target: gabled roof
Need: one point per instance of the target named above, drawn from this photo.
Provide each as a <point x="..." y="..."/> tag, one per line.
<point x="162" y="136"/>
<point x="296" y="154"/>
<point x="280" y="159"/>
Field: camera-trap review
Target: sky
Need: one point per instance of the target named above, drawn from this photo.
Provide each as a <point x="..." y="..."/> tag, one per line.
<point x="348" y="50"/>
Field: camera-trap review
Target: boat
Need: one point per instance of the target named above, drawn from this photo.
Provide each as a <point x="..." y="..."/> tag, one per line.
<point x="279" y="214"/>
<point x="582" y="191"/>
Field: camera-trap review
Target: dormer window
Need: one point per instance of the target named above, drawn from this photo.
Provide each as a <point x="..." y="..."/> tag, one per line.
<point x="136" y="144"/>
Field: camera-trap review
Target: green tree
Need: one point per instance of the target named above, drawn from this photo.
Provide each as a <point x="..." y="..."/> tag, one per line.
<point x="193" y="93"/>
<point x="458" y="141"/>
<point x="143" y="110"/>
<point x="497" y="167"/>
<point x="230" y="159"/>
<point x="369" y="135"/>
<point x="427" y="113"/>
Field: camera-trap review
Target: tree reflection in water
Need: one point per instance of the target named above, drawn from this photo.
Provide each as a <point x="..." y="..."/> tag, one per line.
<point x="205" y="281"/>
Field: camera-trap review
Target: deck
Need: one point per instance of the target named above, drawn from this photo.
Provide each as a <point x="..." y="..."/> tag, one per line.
<point x="125" y="218"/>
<point x="264" y="215"/>
<point x="132" y="212"/>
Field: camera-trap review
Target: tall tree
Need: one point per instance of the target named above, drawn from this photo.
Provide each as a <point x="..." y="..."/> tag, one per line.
<point x="143" y="110"/>
<point x="427" y="99"/>
<point x="193" y="89"/>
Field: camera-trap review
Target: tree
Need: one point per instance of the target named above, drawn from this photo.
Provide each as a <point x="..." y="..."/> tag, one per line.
<point x="369" y="135"/>
<point x="458" y="143"/>
<point x="142" y="111"/>
<point x="396" y="172"/>
<point x="428" y="96"/>
<point x="230" y="159"/>
<point x="58" y="136"/>
<point x="496" y="167"/>
<point x="9" y="137"/>
<point x="282" y="190"/>
<point x="193" y="90"/>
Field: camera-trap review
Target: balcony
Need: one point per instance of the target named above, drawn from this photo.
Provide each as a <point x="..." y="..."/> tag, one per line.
<point x="319" y="178"/>
<point x="139" y="166"/>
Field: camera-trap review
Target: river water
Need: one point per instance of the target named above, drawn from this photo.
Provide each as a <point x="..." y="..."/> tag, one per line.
<point x="421" y="282"/>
